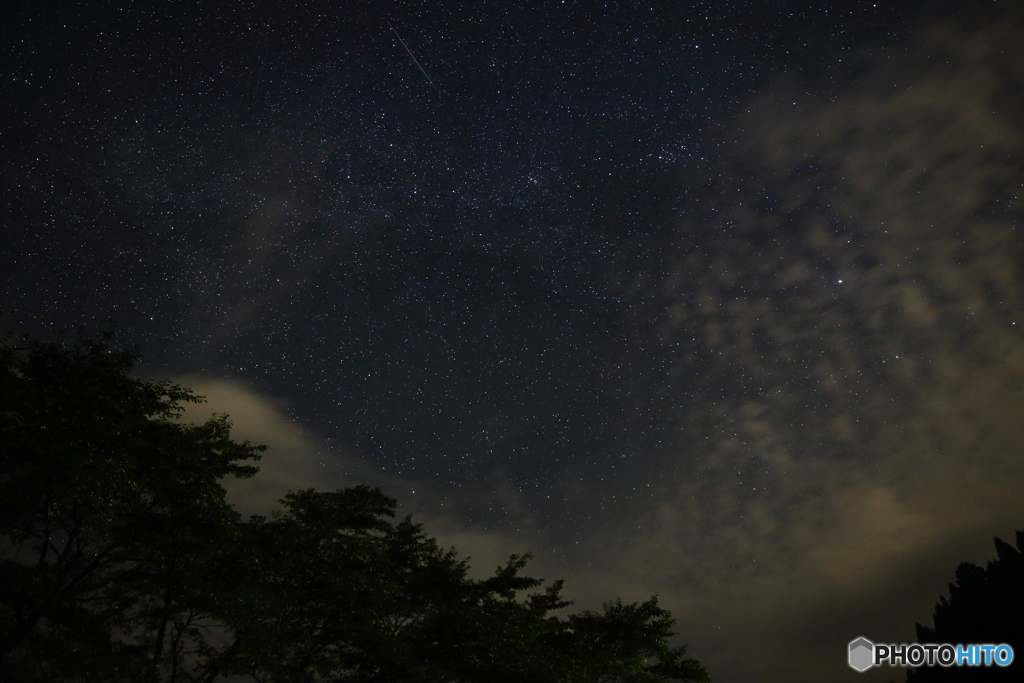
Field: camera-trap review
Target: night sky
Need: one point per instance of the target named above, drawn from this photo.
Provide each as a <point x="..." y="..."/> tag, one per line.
<point x="722" y="301"/>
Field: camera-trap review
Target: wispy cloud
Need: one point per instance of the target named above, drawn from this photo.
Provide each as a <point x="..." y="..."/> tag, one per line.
<point x="297" y="459"/>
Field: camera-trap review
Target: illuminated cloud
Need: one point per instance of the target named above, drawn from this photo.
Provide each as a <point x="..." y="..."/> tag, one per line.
<point x="851" y="304"/>
<point x="294" y="459"/>
<point x="297" y="459"/>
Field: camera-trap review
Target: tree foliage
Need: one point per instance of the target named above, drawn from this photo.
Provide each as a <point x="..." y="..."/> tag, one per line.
<point x="111" y="513"/>
<point x="984" y="606"/>
<point x="121" y="560"/>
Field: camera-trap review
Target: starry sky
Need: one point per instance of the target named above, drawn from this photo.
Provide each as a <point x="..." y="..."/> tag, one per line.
<point x="720" y="301"/>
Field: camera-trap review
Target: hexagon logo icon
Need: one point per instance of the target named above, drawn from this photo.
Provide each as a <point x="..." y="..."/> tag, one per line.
<point x="862" y="654"/>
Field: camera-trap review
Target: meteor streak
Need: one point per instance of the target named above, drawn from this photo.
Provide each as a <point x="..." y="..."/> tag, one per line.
<point x="425" y="75"/>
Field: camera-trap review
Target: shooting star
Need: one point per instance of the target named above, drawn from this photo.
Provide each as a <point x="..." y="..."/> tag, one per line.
<point x="414" y="58"/>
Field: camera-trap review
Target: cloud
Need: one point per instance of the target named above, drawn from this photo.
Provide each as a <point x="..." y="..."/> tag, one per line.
<point x="296" y="459"/>
<point x="846" y="311"/>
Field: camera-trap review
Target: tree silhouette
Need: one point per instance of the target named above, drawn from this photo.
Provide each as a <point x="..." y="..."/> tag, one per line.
<point x="121" y="560"/>
<point x="984" y="606"/>
<point x="111" y="513"/>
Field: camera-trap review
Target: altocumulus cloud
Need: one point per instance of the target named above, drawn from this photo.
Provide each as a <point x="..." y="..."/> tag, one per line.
<point x="846" y="322"/>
